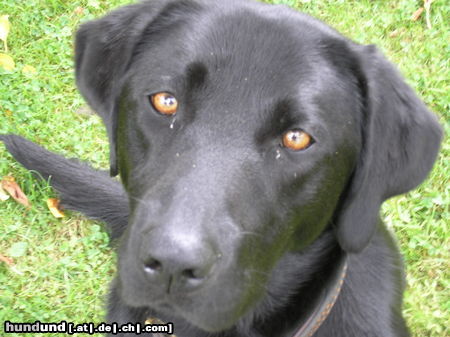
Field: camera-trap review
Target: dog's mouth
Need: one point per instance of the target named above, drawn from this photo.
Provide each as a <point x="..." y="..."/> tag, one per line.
<point x="201" y="311"/>
<point x="216" y="306"/>
<point x="212" y="321"/>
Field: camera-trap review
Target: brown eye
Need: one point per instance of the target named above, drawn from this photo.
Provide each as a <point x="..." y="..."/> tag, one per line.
<point x="164" y="103"/>
<point x="297" y="140"/>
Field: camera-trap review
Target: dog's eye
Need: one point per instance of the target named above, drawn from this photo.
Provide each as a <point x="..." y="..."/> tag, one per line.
<point x="164" y="103"/>
<point x="297" y="140"/>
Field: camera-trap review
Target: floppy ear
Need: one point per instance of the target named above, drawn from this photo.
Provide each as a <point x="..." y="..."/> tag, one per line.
<point x="401" y="141"/>
<point x="103" y="51"/>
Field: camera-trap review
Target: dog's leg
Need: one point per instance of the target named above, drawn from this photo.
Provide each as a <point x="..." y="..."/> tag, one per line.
<point x="81" y="187"/>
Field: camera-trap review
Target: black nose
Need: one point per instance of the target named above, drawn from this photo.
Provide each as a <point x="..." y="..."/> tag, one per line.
<point x="178" y="264"/>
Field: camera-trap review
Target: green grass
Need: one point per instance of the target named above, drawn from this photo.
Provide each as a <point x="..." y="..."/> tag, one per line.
<point x="62" y="267"/>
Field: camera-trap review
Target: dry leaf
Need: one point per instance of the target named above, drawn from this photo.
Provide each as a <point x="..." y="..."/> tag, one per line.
<point x="7" y="62"/>
<point x="3" y="195"/>
<point x="55" y="208"/>
<point x="5" y="26"/>
<point x="9" y="261"/>
<point x="79" y="10"/>
<point x="9" y="185"/>
<point x="29" y="70"/>
<point x="417" y="14"/>
<point x="394" y="33"/>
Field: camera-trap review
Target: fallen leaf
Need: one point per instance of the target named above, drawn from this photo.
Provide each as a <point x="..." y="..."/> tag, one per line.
<point x="416" y="15"/>
<point x="7" y="62"/>
<point x="79" y="10"/>
<point x="9" y="184"/>
<point x="29" y="70"/>
<point x="5" y="26"/>
<point x="9" y="261"/>
<point x="394" y="33"/>
<point x="55" y="208"/>
<point x="3" y="195"/>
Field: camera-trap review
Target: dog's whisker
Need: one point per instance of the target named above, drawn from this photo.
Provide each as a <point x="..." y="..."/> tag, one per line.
<point x="247" y="233"/>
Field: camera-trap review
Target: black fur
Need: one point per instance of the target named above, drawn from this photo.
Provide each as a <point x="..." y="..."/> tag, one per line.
<point x="223" y="231"/>
<point x="81" y="188"/>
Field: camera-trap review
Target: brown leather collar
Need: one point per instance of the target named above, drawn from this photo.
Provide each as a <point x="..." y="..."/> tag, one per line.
<point x="325" y="302"/>
<point x="321" y="310"/>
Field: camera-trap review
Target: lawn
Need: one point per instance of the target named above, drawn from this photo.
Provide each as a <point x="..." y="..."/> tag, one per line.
<point x="58" y="269"/>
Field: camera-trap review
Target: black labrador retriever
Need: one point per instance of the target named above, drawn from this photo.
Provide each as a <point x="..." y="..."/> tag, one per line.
<point x="255" y="146"/>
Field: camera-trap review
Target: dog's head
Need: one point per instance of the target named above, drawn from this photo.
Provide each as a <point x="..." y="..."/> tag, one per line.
<point x="242" y="132"/>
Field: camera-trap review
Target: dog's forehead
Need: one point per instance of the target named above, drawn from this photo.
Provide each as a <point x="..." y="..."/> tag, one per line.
<point x="251" y="45"/>
<point x="253" y="52"/>
<point x="252" y="57"/>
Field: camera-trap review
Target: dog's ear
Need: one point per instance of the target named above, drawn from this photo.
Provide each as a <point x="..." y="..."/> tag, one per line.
<point x="103" y="50"/>
<point x="401" y="139"/>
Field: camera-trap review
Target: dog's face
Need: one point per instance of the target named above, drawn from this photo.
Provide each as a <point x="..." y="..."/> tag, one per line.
<point x="241" y="135"/>
<point x="219" y="191"/>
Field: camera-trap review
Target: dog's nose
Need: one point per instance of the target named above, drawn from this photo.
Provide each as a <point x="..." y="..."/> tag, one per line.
<point x="179" y="266"/>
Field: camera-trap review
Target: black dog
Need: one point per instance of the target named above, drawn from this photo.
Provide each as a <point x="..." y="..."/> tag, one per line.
<point x="255" y="146"/>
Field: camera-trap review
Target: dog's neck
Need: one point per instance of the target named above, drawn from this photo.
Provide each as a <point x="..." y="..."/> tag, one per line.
<point x="318" y="313"/>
